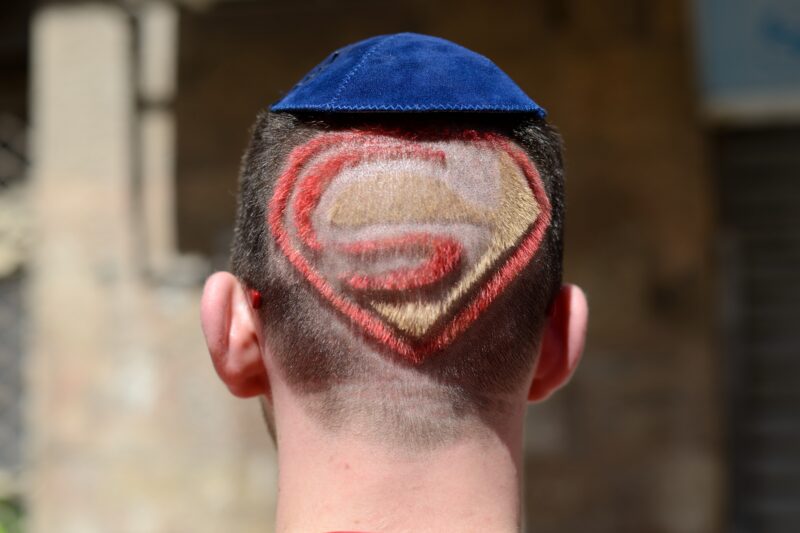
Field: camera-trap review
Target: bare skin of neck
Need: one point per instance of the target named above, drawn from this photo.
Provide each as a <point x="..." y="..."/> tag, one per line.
<point x="337" y="482"/>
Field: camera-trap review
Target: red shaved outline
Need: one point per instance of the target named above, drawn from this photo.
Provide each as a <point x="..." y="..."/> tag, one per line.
<point x="371" y="323"/>
<point x="444" y="256"/>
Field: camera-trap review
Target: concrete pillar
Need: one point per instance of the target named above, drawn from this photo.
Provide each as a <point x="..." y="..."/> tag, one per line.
<point x="83" y="299"/>
<point x="157" y="68"/>
<point x="130" y="431"/>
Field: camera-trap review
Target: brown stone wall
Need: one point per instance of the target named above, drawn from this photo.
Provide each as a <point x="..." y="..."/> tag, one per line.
<point x="634" y="443"/>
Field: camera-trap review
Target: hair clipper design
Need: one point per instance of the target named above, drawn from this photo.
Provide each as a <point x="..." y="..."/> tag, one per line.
<point x="411" y="238"/>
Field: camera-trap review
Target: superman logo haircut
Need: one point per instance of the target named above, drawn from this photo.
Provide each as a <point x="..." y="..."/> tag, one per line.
<point x="407" y="249"/>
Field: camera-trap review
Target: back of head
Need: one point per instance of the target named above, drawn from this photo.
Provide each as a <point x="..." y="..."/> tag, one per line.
<point x="407" y="262"/>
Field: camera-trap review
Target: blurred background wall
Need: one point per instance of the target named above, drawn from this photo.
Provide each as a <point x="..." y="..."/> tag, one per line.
<point x="122" y="126"/>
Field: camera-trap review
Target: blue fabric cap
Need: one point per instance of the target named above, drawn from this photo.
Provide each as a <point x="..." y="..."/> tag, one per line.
<point x="406" y="72"/>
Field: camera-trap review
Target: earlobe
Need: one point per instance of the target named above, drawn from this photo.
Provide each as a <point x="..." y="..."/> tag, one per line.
<point x="232" y="330"/>
<point x="561" y="344"/>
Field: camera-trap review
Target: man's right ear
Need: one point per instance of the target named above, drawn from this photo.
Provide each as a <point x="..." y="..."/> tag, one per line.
<point x="233" y="332"/>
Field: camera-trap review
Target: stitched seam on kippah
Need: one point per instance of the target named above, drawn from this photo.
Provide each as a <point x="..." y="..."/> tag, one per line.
<point x="417" y="107"/>
<point x="352" y="73"/>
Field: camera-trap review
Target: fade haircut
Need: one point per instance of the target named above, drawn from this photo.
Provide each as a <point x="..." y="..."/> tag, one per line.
<point x="407" y="262"/>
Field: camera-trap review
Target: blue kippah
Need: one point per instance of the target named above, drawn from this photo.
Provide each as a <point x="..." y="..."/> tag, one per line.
<point x="406" y="72"/>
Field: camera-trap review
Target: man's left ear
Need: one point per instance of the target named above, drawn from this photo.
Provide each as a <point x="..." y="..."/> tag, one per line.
<point x="232" y="328"/>
<point x="562" y="343"/>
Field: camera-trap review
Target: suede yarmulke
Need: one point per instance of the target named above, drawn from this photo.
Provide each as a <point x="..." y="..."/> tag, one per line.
<point x="407" y="72"/>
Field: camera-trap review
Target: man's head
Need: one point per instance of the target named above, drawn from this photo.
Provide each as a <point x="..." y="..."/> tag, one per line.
<point x="409" y="267"/>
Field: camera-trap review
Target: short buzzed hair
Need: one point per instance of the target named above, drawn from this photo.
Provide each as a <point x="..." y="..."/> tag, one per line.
<point x="407" y="262"/>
